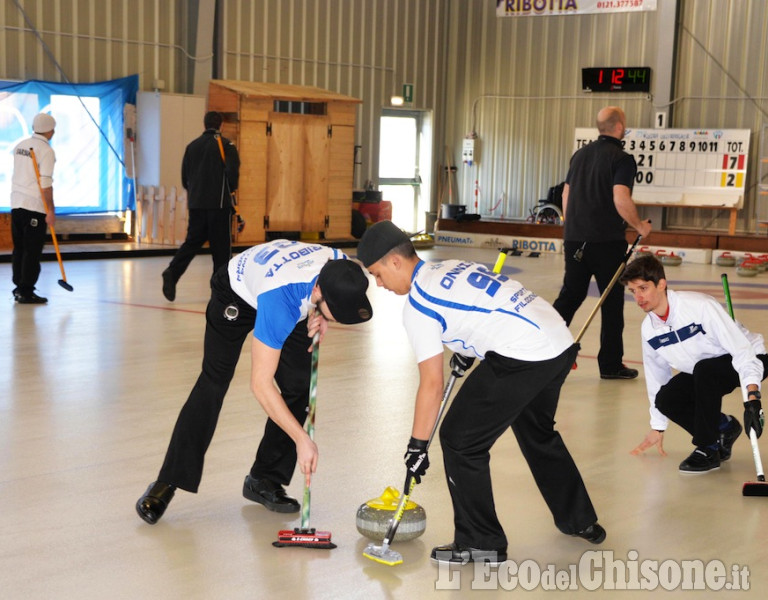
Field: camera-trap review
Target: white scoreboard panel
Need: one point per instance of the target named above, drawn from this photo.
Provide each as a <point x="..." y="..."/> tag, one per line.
<point x="685" y="167"/>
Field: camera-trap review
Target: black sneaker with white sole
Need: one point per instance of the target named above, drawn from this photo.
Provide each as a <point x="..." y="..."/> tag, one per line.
<point x="701" y="460"/>
<point x="461" y="555"/>
<point x="728" y="438"/>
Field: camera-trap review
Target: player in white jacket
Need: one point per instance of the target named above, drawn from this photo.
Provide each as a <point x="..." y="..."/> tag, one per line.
<point x="525" y="352"/>
<point x="713" y="354"/>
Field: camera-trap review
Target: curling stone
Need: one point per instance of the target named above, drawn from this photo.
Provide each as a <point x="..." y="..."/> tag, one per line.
<point x="422" y="241"/>
<point x="374" y="516"/>
<point x="726" y="259"/>
<point x="643" y="251"/>
<point x="669" y="260"/>
<point x="759" y="261"/>
<point x="747" y="269"/>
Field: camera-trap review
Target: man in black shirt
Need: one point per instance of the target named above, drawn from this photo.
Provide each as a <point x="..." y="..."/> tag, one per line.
<point x="597" y="205"/>
<point x="209" y="172"/>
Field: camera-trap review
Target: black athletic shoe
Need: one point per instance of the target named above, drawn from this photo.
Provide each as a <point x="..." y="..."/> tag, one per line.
<point x="594" y="534"/>
<point x="622" y="373"/>
<point x="461" y="555"/>
<point x="270" y="494"/>
<point x="701" y="460"/>
<point x="169" y="286"/>
<point x="30" y="298"/>
<point x="155" y="500"/>
<point x="728" y="437"/>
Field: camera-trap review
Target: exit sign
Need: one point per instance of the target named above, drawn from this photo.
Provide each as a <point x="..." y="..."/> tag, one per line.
<point x="407" y="92"/>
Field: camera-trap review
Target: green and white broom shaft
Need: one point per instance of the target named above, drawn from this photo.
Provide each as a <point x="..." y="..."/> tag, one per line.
<point x="752" y="434"/>
<point x="411" y="481"/>
<point x="311" y="423"/>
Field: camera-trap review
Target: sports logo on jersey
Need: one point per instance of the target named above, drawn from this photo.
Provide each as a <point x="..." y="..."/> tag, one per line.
<point x="674" y="337"/>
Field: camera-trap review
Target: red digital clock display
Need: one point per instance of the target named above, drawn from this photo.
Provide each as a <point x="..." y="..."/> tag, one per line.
<point x="616" y="79"/>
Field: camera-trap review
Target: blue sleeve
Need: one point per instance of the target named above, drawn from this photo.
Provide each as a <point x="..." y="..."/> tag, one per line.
<point x="277" y="315"/>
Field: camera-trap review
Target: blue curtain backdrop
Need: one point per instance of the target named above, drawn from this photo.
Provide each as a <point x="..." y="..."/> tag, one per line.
<point x="89" y="142"/>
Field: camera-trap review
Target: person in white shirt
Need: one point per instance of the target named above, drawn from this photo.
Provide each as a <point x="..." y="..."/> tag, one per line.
<point x="691" y="333"/>
<point x="31" y="211"/>
<point x="525" y="351"/>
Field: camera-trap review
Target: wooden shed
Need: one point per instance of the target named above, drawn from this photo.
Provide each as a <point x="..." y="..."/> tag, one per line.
<point x="297" y="146"/>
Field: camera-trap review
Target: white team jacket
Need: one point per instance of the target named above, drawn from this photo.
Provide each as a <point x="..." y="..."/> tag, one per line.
<point x="697" y="328"/>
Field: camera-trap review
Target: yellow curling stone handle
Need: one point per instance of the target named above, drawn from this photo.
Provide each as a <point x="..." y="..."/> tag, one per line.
<point x="389" y="500"/>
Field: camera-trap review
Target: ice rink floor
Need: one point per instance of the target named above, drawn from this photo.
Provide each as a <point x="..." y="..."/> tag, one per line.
<point x="91" y="384"/>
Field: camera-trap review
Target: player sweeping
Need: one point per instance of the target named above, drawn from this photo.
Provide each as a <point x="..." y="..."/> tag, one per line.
<point x="280" y="294"/>
<point x="525" y="352"/>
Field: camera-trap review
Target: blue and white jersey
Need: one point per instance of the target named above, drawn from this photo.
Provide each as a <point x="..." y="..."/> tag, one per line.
<point x="697" y="328"/>
<point x="472" y="311"/>
<point x="276" y="279"/>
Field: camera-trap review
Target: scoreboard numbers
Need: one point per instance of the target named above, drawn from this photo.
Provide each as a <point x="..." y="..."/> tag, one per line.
<point x="685" y="167"/>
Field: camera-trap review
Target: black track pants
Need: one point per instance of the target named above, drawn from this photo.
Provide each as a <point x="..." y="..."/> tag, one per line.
<point x="694" y="400"/>
<point x="205" y="225"/>
<point x="28" y="234"/>
<point x="196" y="423"/>
<point x="502" y="393"/>
<point x="601" y="260"/>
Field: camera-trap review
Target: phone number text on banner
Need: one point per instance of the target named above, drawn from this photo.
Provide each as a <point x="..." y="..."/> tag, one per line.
<point x="543" y="8"/>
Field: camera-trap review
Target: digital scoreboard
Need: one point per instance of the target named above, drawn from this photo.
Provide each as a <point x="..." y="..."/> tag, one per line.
<point x="616" y="79"/>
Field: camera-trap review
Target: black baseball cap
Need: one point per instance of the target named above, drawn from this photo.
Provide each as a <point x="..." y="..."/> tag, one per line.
<point x="343" y="285"/>
<point x="378" y="240"/>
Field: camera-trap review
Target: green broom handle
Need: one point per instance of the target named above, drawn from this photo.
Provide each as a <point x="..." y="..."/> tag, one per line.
<point x="311" y="422"/>
<point x="727" y="291"/>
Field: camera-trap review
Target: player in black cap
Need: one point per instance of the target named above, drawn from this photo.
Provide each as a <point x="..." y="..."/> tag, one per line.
<point x="283" y="292"/>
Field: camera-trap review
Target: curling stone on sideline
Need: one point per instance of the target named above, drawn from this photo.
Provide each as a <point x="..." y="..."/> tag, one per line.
<point x="747" y="268"/>
<point x="761" y="261"/>
<point x="726" y="259"/>
<point x="374" y="516"/>
<point x="643" y="251"/>
<point x="669" y="260"/>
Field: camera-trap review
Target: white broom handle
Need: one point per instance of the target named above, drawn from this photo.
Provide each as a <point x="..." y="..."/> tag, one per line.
<point x="756" y="455"/>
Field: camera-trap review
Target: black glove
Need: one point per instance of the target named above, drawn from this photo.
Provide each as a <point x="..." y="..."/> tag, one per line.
<point x="460" y="364"/>
<point x="416" y="460"/>
<point x="753" y="417"/>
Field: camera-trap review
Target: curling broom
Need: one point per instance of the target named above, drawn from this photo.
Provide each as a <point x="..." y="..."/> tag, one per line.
<point x="306" y="536"/>
<point x="759" y="487"/>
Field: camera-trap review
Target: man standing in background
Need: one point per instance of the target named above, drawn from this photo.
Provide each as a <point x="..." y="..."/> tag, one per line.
<point x="597" y="206"/>
<point x="210" y="171"/>
<point x="31" y="211"/>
